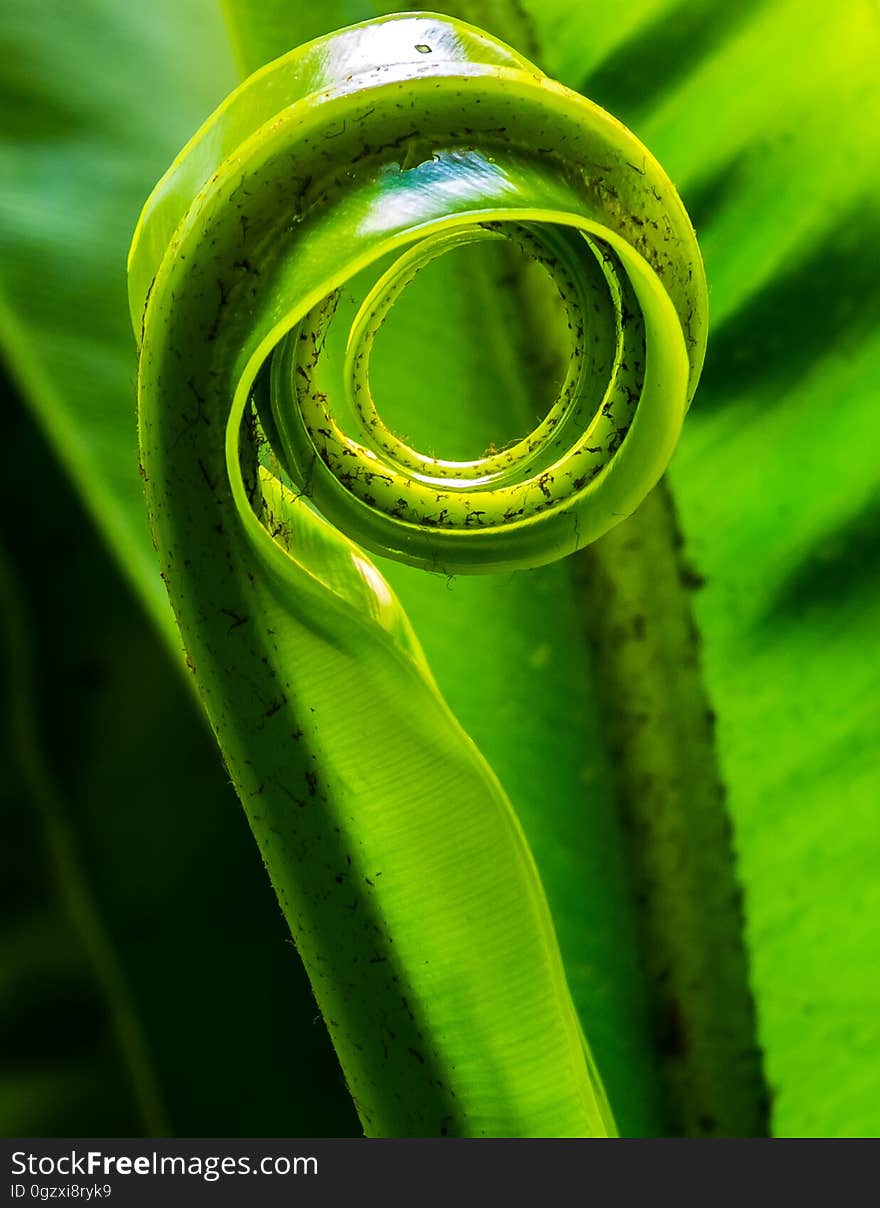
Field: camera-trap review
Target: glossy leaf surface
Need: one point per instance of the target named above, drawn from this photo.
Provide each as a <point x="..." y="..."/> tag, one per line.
<point x="450" y="958"/>
<point x="722" y="95"/>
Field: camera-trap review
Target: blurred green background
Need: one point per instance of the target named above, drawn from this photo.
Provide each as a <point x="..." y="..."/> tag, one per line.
<point x="147" y="980"/>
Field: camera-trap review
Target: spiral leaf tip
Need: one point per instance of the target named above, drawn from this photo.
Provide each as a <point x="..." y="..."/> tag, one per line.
<point x="403" y="139"/>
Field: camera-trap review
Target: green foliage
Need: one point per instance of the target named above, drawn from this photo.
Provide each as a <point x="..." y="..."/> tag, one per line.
<point x="763" y="114"/>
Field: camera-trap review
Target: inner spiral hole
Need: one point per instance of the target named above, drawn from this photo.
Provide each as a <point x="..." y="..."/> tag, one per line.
<point x="469" y="359"/>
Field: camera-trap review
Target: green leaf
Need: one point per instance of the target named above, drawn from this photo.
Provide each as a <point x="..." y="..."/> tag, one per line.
<point x="787" y="613"/>
<point x="104" y="112"/>
<point x="763" y="114"/>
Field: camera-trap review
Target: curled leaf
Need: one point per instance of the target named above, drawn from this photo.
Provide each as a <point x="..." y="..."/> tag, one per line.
<point x="300" y="211"/>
